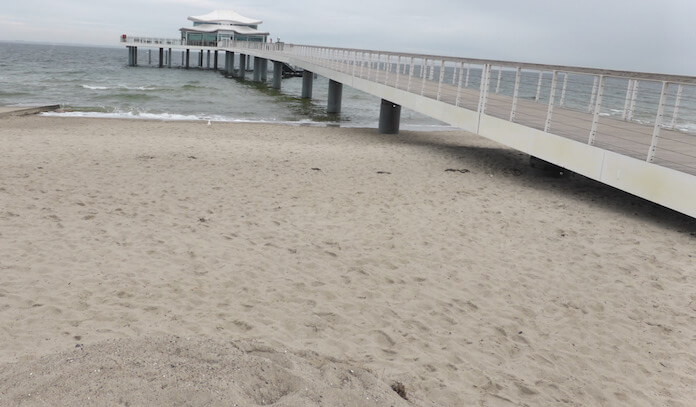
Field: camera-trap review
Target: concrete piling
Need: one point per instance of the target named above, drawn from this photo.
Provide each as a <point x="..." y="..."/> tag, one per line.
<point x="307" y="82"/>
<point x="389" y="117"/>
<point x="277" y="74"/>
<point x="335" y="96"/>
<point x="242" y="66"/>
<point x="257" y="69"/>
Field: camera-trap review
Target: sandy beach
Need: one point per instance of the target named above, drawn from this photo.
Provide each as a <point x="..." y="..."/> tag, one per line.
<point x="257" y="264"/>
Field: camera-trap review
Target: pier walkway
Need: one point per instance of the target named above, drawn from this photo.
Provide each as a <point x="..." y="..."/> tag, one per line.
<point x="633" y="131"/>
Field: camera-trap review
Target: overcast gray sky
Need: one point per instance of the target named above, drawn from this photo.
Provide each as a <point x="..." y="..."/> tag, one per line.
<point x="639" y="35"/>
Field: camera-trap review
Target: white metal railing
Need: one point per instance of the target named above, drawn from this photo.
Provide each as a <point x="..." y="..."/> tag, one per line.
<point x="643" y="115"/>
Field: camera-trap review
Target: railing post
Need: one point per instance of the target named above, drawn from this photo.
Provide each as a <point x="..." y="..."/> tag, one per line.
<point x="387" y="67"/>
<point x="355" y="61"/>
<point x="466" y="81"/>
<point x="594" y="94"/>
<point x="483" y="94"/>
<point x="459" y="85"/>
<point x="410" y="75"/>
<point x="398" y="71"/>
<point x="552" y="98"/>
<point x="454" y="74"/>
<point x="538" y="92"/>
<point x="563" y="91"/>
<point x="658" y="123"/>
<point x="370" y="65"/>
<point x="677" y="101"/>
<point x="425" y="76"/>
<point x="500" y="74"/>
<point x="627" y="101"/>
<point x="431" y="75"/>
<point x="516" y="93"/>
<point x="634" y="95"/>
<point x="597" y="108"/>
<point x="442" y="77"/>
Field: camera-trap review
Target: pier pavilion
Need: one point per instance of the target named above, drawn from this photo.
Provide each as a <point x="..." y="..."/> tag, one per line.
<point x="220" y="25"/>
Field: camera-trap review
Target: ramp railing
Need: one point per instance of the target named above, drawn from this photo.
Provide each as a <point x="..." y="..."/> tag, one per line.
<point x="647" y="116"/>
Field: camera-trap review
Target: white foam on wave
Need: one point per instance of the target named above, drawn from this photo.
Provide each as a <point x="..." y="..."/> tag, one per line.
<point x="121" y="87"/>
<point x="95" y="87"/>
<point x="225" y="119"/>
<point x="174" y="117"/>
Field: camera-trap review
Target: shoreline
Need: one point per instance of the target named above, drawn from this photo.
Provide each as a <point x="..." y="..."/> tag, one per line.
<point x="494" y="283"/>
<point x="173" y="117"/>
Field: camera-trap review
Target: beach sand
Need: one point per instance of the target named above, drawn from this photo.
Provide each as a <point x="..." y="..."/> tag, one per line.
<point x="259" y="264"/>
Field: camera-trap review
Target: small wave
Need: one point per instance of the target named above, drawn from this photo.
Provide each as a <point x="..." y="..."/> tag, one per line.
<point x="128" y="96"/>
<point x="177" y="117"/>
<point x="13" y="93"/>
<point x="119" y="87"/>
<point x="225" y="119"/>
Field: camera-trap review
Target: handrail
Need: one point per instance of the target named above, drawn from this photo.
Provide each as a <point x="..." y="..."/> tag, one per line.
<point x="622" y="111"/>
<point x="684" y="79"/>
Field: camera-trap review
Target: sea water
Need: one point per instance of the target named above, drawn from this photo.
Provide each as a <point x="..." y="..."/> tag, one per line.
<point x="96" y="82"/>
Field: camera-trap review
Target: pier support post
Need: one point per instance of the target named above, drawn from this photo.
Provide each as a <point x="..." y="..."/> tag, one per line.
<point x="132" y="56"/>
<point x="257" y="69"/>
<point x="208" y="60"/>
<point x="389" y="117"/>
<point x="215" y="61"/>
<point x="307" y="82"/>
<point x="277" y="74"/>
<point x="242" y="66"/>
<point x="161" y="57"/>
<point x="200" y="59"/>
<point x="335" y="96"/>
<point x="169" y="59"/>
<point x="188" y="55"/>
<point x="264" y="70"/>
<point x="229" y="64"/>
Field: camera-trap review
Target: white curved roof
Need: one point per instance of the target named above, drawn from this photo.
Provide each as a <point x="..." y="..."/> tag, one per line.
<point x="224" y="16"/>
<point x="209" y="28"/>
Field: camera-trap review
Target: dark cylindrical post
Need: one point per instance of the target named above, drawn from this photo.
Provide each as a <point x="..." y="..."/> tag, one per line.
<point x="188" y="57"/>
<point x="208" y="60"/>
<point x="335" y="96"/>
<point x="215" y="63"/>
<point x="264" y="70"/>
<point x="229" y="63"/>
<point x="307" y="82"/>
<point x="389" y="117"/>
<point x="277" y="74"/>
<point x="161" y="57"/>
<point x="242" y="66"/>
<point x="257" y="69"/>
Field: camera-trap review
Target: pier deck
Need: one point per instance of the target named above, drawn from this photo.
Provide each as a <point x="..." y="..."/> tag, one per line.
<point x="647" y="149"/>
